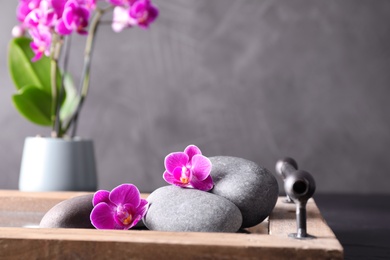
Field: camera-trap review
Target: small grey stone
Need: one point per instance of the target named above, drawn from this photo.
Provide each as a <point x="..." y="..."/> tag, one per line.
<point x="252" y="188"/>
<point x="173" y="208"/>
<point x="70" y="213"/>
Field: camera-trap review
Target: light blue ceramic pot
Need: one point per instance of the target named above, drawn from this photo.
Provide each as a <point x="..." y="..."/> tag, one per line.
<point x="54" y="164"/>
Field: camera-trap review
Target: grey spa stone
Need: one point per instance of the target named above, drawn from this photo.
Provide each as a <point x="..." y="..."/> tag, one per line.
<point x="252" y="188"/>
<point x="178" y="209"/>
<point x="70" y="213"/>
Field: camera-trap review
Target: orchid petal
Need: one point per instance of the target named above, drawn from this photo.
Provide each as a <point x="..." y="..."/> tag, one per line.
<point x="201" y="166"/>
<point x="205" y="185"/>
<point x="177" y="177"/>
<point x="135" y="221"/>
<point x="168" y="177"/>
<point x="152" y="15"/>
<point x="58" y="6"/>
<point x="125" y="193"/>
<point x="37" y="56"/>
<point x="191" y="150"/>
<point x="62" y="29"/>
<point x="101" y="196"/>
<point x="178" y="172"/>
<point x="142" y="208"/>
<point x="140" y="213"/>
<point x="102" y="216"/>
<point x="173" y="160"/>
<point x="68" y="18"/>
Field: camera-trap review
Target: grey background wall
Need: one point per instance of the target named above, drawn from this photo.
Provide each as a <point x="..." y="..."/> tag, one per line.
<point x="250" y="78"/>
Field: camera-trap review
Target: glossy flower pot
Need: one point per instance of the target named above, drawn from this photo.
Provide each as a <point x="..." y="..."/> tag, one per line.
<point x="55" y="164"/>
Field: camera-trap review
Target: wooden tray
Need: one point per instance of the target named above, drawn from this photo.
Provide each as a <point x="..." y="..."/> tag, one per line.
<point x="268" y="240"/>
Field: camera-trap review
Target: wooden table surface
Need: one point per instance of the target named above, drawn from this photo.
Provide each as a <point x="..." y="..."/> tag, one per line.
<point x="20" y="211"/>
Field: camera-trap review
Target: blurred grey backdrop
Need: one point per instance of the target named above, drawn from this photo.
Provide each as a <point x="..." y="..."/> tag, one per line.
<point x="257" y="79"/>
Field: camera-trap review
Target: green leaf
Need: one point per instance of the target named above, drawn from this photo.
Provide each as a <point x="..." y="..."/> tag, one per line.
<point x="25" y="72"/>
<point x="34" y="104"/>
<point x="72" y="99"/>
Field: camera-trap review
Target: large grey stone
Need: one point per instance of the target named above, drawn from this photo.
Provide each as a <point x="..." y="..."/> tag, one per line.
<point x="173" y="208"/>
<point x="252" y="188"/>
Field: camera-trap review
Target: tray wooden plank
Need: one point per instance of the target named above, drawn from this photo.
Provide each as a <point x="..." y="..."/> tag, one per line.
<point x="268" y="240"/>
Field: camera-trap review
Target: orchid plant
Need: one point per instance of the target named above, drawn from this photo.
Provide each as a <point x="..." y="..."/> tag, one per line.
<point x="38" y="63"/>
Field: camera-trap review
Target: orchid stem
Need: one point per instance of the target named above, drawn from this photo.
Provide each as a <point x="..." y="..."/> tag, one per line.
<point x="55" y="53"/>
<point x="58" y="125"/>
<point x="85" y="76"/>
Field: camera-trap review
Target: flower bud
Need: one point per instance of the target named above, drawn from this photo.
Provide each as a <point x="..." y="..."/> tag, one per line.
<point x="18" y="31"/>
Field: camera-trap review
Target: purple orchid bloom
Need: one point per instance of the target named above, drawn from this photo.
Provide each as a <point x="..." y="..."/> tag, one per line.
<point x="41" y="42"/>
<point x="129" y="13"/>
<point x="74" y="18"/>
<point x="143" y="12"/>
<point x="43" y="15"/>
<point x="188" y="169"/>
<point x="122" y="208"/>
<point x="25" y="7"/>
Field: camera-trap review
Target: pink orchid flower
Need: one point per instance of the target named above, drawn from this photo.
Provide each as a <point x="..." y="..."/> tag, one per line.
<point x="43" y="15"/>
<point x="41" y="42"/>
<point x="143" y="12"/>
<point x="74" y="18"/>
<point x="188" y="169"/>
<point x="122" y="208"/>
<point x="133" y="13"/>
<point x="25" y="7"/>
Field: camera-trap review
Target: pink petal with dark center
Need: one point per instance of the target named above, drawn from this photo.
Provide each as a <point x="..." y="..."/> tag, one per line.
<point x="191" y="150"/>
<point x="174" y="160"/>
<point x="125" y="194"/>
<point x="62" y="29"/>
<point x="169" y="178"/>
<point x="178" y="172"/>
<point x="153" y="13"/>
<point x="140" y="213"/>
<point x="102" y="216"/>
<point x="200" y="166"/>
<point x="101" y="196"/>
<point x="205" y="185"/>
<point x="123" y="213"/>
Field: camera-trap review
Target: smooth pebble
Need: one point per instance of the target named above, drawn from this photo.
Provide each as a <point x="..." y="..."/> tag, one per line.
<point x="252" y="188"/>
<point x="178" y="209"/>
